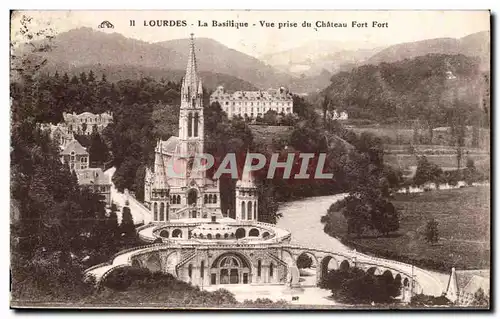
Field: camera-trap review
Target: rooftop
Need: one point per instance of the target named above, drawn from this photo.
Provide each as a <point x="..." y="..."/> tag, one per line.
<point x="271" y="94"/>
<point x="76" y="147"/>
<point x="92" y="176"/>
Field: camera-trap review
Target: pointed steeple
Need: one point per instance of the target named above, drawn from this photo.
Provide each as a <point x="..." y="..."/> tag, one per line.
<point x="452" y="289"/>
<point x="247" y="179"/>
<point x="191" y="83"/>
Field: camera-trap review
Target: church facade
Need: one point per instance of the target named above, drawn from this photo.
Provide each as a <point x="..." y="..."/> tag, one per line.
<point x="174" y="188"/>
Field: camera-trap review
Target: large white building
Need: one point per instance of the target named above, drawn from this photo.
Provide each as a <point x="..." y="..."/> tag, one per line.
<point x="174" y="188"/>
<point x="252" y="104"/>
<point x="87" y="123"/>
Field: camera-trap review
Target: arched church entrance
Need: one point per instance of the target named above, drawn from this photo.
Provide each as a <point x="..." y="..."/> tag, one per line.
<point x="229" y="269"/>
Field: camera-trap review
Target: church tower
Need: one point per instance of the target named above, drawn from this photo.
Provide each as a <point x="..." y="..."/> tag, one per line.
<point x="191" y="135"/>
<point x="176" y="187"/>
<point x="246" y="197"/>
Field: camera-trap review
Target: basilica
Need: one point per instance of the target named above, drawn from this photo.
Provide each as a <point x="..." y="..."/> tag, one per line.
<point x="185" y="233"/>
<point x="173" y="188"/>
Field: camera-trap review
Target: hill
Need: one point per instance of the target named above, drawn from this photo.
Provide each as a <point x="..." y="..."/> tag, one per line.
<point x="122" y="72"/>
<point x="476" y="44"/>
<point x="425" y="87"/>
<point x="313" y="57"/>
<point x="213" y="56"/>
<point x="86" y="48"/>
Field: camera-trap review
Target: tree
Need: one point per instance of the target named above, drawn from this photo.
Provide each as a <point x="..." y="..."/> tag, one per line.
<point x="83" y="78"/>
<point x="270" y="117"/>
<point x="470" y="173"/>
<point x="112" y="222"/>
<point x="426" y="172"/>
<point x="127" y="226"/>
<point x="91" y="77"/>
<point x="98" y="151"/>
<point x="385" y="217"/>
<point x="304" y="261"/>
<point x="74" y="80"/>
<point x="354" y="285"/>
<point x="325" y="104"/>
<point x="431" y="231"/>
<point x="480" y="299"/>
<point x="268" y="205"/>
<point x="308" y="137"/>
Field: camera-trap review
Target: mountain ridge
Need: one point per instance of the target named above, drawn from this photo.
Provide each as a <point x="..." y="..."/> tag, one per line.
<point x="85" y="47"/>
<point x="475" y="44"/>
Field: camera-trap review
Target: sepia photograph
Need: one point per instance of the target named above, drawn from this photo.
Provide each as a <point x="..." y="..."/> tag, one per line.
<point x="253" y="159"/>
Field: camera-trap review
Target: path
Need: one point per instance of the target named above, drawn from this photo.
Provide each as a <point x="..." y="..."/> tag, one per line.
<point x="139" y="213"/>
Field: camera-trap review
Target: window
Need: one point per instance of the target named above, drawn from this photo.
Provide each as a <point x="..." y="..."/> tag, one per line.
<point x="259" y="268"/>
<point x="249" y="211"/>
<point x="190" y="271"/>
<point x="271" y="270"/>
<point x="195" y="124"/>
<point x="202" y="269"/>
<point x="243" y="210"/>
<point x="162" y="211"/>
<point x="190" y="124"/>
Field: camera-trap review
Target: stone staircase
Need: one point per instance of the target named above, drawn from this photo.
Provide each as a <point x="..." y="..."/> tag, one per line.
<point x="185" y="258"/>
<point x="280" y="262"/>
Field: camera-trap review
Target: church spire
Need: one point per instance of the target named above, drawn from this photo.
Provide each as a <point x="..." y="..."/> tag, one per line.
<point x="191" y="83"/>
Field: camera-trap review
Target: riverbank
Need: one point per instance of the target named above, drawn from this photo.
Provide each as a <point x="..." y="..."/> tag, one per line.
<point x="464" y="222"/>
<point x="302" y="219"/>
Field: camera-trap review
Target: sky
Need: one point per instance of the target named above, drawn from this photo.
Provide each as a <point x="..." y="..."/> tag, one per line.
<point x="392" y="27"/>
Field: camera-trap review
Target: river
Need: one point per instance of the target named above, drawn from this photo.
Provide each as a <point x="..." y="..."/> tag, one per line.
<point x="303" y="219"/>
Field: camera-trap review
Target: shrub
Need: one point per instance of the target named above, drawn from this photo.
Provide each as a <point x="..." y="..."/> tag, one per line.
<point x="425" y="300"/>
<point x="354" y="285"/>
<point x="122" y="278"/>
<point x="304" y="261"/>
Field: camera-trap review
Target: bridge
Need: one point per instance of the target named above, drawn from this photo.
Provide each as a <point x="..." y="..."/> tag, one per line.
<point x="421" y="280"/>
<point x="284" y="253"/>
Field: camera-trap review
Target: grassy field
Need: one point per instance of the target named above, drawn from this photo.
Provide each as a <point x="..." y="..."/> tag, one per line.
<point x="464" y="229"/>
<point x="445" y="161"/>
<point x="265" y="134"/>
<point x="396" y="134"/>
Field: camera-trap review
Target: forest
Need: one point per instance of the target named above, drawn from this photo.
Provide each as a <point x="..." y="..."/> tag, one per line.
<point x="426" y="92"/>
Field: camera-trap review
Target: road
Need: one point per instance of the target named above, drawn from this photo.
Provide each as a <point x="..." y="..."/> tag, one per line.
<point x="139" y="213"/>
